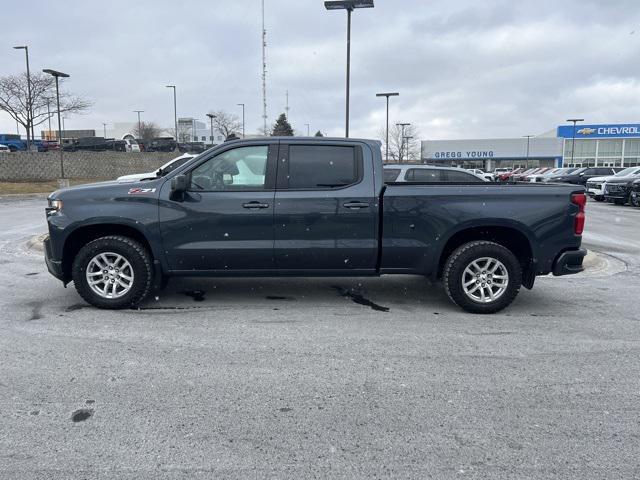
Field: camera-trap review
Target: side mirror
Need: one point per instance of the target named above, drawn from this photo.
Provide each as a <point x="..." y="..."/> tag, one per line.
<point x="179" y="185"/>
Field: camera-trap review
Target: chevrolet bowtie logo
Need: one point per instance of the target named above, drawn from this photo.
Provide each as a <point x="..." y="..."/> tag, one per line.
<point x="586" y="131"/>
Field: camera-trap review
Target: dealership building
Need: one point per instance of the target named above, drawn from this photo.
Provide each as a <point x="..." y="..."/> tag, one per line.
<point x="609" y="145"/>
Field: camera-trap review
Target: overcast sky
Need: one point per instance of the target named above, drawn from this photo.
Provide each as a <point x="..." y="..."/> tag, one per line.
<point x="464" y="69"/>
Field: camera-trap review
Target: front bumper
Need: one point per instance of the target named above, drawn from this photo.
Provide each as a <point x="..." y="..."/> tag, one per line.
<point x="54" y="266"/>
<point x="569" y="262"/>
<point x="595" y="191"/>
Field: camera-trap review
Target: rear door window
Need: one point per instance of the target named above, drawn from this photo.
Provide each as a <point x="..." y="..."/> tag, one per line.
<point x="321" y="167"/>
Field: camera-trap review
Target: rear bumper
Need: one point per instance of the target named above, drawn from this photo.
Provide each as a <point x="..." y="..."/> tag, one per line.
<point x="569" y="262"/>
<point x="54" y="266"/>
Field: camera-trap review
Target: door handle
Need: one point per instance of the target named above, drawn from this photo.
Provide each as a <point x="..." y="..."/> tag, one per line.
<point x="255" y="204"/>
<point x="356" y="205"/>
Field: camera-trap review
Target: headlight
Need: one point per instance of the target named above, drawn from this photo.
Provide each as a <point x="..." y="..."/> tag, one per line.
<point x="54" y="206"/>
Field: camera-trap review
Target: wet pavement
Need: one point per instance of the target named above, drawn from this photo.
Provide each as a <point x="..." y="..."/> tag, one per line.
<point x="307" y="378"/>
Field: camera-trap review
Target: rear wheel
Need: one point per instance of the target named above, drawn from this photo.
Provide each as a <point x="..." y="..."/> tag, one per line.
<point x="113" y="272"/>
<point x="482" y="277"/>
<point x="634" y="199"/>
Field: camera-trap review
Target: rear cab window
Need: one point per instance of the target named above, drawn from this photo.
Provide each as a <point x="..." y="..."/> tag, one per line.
<point x="391" y="174"/>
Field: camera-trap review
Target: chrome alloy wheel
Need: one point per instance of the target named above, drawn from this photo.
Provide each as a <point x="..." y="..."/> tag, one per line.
<point x="110" y="275"/>
<point x="485" y="280"/>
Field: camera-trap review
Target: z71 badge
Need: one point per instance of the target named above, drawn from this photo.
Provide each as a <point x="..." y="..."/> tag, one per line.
<point x="139" y="191"/>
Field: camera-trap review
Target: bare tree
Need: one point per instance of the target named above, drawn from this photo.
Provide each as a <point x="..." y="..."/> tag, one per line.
<point x="147" y="131"/>
<point x="14" y="99"/>
<point x="401" y="150"/>
<point x="226" y="123"/>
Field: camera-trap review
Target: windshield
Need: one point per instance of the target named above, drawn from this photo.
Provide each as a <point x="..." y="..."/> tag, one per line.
<point x="178" y="162"/>
<point x="626" y="171"/>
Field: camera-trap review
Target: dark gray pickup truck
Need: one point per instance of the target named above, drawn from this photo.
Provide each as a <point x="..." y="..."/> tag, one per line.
<point x="310" y="207"/>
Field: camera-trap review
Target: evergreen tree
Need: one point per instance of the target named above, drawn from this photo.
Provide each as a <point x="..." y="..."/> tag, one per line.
<point x="318" y="134"/>
<point x="282" y="128"/>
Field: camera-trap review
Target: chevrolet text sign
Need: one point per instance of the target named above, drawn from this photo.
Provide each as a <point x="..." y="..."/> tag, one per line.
<point x="600" y="131"/>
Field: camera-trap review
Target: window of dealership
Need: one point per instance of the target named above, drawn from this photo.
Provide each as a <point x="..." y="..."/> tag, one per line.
<point x="601" y="145"/>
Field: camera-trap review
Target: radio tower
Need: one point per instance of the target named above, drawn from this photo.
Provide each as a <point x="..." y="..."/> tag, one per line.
<point x="264" y="73"/>
<point x="286" y="108"/>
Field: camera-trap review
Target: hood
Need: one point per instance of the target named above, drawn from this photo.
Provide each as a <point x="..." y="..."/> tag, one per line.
<point x="99" y="189"/>
<point x="628" y="179"/>
<point x="137" y="177"/>
<point x="602" y="179"/>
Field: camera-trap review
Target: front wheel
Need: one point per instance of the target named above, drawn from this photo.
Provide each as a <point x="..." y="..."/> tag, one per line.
<point x="634" y="199"/>
<point x="113" y="272"/>
<point x="482" y="277"/>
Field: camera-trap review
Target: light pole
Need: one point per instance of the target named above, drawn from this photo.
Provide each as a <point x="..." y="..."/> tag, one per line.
<point x="349" y="6"/>
<point x="29" y="99"/>
<point x="526" y="164"/>
<point x="387" y="94"/>
<point x="242" y="104"/>
<point x="139" y="125"/>
<point x="175" y="109"/>
<point x="57" y="75"/>
<point x="573" y="143"/>
<point x="104" y="126"/>
<point x="402" y="125"/>
<point x="49" y="118"/>
<point x="407" y="145"/>
<point x="307" y="128"/>
<point x="211" y="117"/>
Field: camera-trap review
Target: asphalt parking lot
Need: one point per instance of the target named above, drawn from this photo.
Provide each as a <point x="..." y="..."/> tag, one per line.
<point x="321" y="378"/>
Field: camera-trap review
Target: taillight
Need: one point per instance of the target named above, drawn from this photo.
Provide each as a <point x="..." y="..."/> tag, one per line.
<point x="579" y="199"/>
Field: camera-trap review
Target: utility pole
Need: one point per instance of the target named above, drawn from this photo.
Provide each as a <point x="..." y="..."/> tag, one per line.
<point x="307" y="129"/>
<point x="49" y="118"/>
<point x="175" y="110"/>
<point x="104" y="126"/>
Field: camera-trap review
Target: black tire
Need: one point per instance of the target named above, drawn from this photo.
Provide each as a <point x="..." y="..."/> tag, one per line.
<point x="462" y="257"/>
<point x="137" y="256"/>
<point x="634" y="201"/>
<point x="598" y="198"/>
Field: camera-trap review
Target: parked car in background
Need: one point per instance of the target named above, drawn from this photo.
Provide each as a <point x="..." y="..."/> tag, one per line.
<point x="131" y="145"/>
<point x="4" y="149"/>
<point x="505" y="176"/>
<point x="481" y="173"/>
<point x="595" y="184"/>
<point x="539" y="177"/>
<point x="429" y="174"/>
<point x="618" y="190"/>
<point x="50" y="145"/>
<point x="634" y="197"/>
<point x="170" y="166"/>
<point x="191" y="147"/>
<point x="162" y="144"/>
<point x="581" y="175"/>
<point x="116" y="145"/>
<point x="522" y="177"/>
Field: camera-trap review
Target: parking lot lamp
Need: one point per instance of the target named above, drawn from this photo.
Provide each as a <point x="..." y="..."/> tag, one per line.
<point x="139" y="125"/>
<point x="526" y="164"/>
<point x="387" y="94"/>
<point x="175" y="109"/>
<point x="349" y="6"/>
<point x="406" y="139"/>
<point x="242" y="104"/>
<point x="29" y="99"/>
<point x="57" y="75"/>
<point x="211" y="117"/>
<point x="573" y="142"/>
<point x="402" y="125"/>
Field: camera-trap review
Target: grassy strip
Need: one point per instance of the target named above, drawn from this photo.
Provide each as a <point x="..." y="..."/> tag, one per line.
<point x="8" y="188"/>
